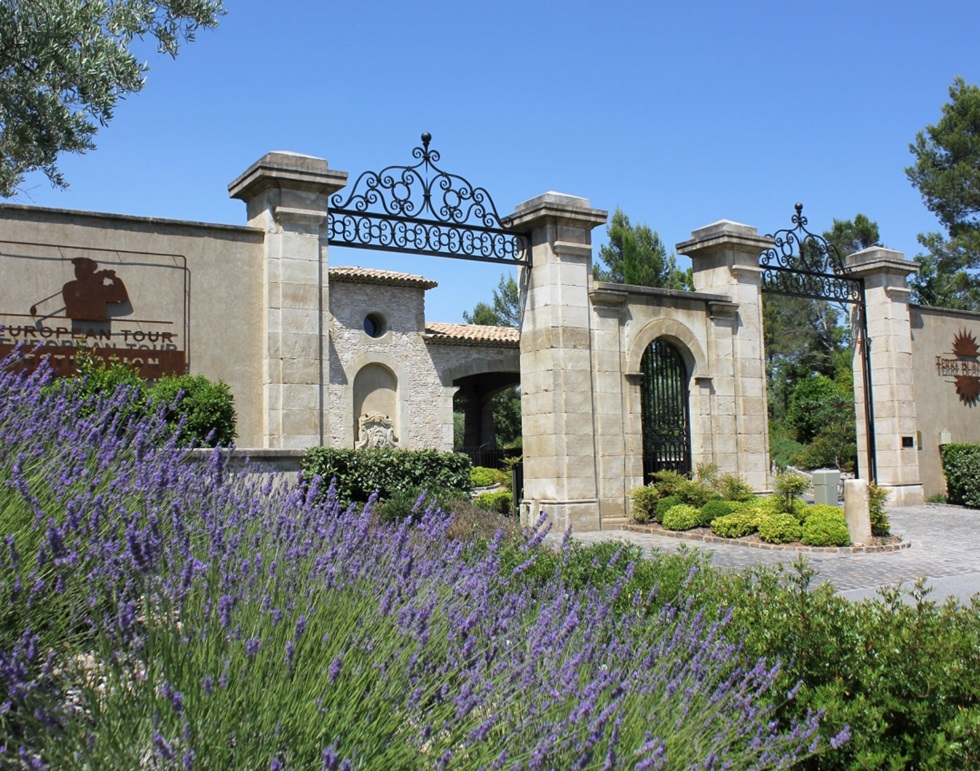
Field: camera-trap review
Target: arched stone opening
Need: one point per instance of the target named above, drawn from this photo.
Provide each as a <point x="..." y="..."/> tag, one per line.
<point x="474" y="400"/>
<point x="665" y="407"/>
<point x="375" y="394"/>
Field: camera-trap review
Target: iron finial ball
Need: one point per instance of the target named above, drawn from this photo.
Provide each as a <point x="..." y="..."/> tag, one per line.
<point x="426" y="138"/>
<point x="799" y="208"/>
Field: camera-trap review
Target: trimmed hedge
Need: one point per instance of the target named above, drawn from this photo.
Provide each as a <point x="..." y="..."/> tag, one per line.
<point x="735" y="525"/>
<point x="780" y="528"/>
<point x="499" y="501"/>
<point x="481" y="476"/>
<point x="359" y="473"/>
<point x="683" y="516"/>
<point x="712" y="510"/>
<point x="205" y="406"/>
<point x="664" y="505"/>
<point x="826" y="527"/>
<point x="961" y="467"/>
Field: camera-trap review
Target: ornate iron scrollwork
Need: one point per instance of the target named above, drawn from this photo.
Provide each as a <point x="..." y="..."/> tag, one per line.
<point x="804" y="264"/>
<point x="422" y="209"/>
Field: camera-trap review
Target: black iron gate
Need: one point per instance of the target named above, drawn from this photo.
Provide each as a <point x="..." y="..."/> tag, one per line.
<point x="665" y="410"/>
<point x="802" y="264"/>
<point x="421" y="209"/>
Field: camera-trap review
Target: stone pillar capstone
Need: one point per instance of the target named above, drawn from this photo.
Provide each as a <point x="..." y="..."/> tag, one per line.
<point x="725" y="260"/>
<point x="286" y="195"/>
<point x="885" y="273"/>
<point x="558" y="416"/>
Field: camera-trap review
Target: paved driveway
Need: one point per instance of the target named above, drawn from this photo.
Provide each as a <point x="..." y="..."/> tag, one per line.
<point x="945" y="550"/>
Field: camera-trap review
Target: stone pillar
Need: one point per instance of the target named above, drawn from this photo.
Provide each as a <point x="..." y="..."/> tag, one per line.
<point x="286" y="195"/>
<point x="725" y="258"/>
<point x="556" y="360"/>
<point x="886" y="293"/>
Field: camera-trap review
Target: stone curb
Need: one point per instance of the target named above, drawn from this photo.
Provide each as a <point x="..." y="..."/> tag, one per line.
<point x="869" y="549"/>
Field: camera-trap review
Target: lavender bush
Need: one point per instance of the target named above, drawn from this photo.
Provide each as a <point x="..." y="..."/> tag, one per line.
<point x="158" y="614"/>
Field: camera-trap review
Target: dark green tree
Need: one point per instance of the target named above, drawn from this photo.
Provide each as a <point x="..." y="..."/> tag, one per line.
<point x="64" y="64"/>
<point x="505" y="311"/>
<point x="636" y="255"/>
<point x="947" y="173"/>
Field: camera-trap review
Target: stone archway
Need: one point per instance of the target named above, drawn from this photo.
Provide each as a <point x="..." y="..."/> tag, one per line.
<point x="665" y="408"/>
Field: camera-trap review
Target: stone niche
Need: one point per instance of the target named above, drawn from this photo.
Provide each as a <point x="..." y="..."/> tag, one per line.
<point x="375" y="395"/>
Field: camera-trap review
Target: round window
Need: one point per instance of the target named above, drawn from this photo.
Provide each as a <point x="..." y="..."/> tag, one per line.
<point x="374" y="325"/>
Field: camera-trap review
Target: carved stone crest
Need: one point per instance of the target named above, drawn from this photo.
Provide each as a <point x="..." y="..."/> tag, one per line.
<point x="376" y="430"/>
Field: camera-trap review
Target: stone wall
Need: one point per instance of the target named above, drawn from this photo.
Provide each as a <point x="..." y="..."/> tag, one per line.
<point x="946" y="378"/>
<point x="205" y="276"/>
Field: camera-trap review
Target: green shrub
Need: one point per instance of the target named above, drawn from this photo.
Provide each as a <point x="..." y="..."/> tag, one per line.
<point x="732" y="488"/>
<point x="780" y="528"/>
<point x="961" y="467"/>
<point x="644" y="504"/>
<point x="696" y="493"/>
<point x="498" y="501"/>
<point x="481" y="476"/>
<point x="668" y="482"/>
<point x="683" y="516"/>
<point x="663" y="505"/>
<point x="712" y="510"/>
<point x="205" y="406"/>
<point x="774" y="504"/>
<point x="822" y="509"/>
<point x="735" y="525"/>
<point x="359" y="473"/>
<point x="96" y="380"/>
<point x="880" y="526"/>
<point x="790" y="486"/>
<point x="826" y="528"/>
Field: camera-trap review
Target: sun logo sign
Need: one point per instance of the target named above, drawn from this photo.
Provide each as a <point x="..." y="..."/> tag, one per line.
<point x="963" y="367"/>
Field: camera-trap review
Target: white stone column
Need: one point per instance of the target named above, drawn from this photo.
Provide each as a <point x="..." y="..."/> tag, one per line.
<point x="558" y="417"/>
<point x="886" y="292"/>
<point x="286" y="195"/>
<point x="725" y="258"/>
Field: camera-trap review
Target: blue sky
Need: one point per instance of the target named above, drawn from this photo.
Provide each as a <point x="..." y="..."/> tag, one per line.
<point x="680" y="113"/>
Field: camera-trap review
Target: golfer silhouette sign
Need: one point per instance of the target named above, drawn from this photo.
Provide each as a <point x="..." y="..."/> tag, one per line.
<point x="92" y="290"/>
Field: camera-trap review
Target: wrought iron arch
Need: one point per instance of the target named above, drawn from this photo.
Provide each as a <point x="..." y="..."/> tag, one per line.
<point x="803" y="264"/>
<point x="421" y="209"/>
<point x="665" y="412"/>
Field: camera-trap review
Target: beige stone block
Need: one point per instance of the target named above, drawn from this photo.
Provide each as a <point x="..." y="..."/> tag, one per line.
<point x="751" y="407"/>
<point x="301" y="371"/>
<point x="299" y="296"/>
<point x="299" y="346"/>
<point x="300" y="396"/>
<point x="537" y="424"/>
<point x="296" y="321"/>
<point x="300" y="421"/>
<point x="578" y="402"/>
<point x="300" y="271"/>
<point x="611" y="445"/>
<point x="569" y="338"/>
<point x="612" y="509"/>
<point x="583" y="517"/>
<point x="300" y="441"/>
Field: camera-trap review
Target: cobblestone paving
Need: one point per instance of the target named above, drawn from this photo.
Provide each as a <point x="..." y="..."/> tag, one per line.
<point x="945" y="550"/>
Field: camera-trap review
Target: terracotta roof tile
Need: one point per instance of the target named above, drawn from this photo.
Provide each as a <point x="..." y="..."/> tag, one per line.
<point x="358" y="275"/>
<point x="472" y="334"/>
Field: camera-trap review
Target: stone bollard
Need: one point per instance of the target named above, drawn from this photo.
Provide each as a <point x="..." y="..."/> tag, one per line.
<point x="856" y="511"/>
